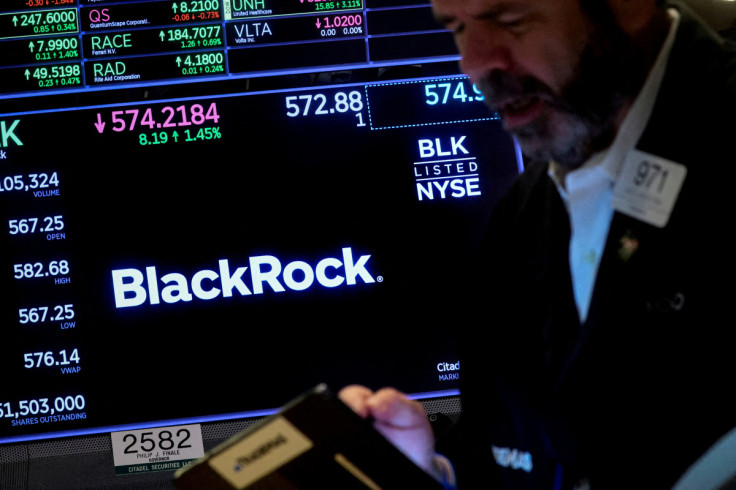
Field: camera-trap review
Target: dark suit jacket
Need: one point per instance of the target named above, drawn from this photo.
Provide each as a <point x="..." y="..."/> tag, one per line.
<point x="634" y="395"/>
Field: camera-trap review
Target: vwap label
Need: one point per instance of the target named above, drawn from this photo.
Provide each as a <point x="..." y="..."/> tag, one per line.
<point x="132" y="287"/>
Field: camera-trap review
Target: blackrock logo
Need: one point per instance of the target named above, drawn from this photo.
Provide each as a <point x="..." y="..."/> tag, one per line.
<point x="445" y="170"/>
<point x="133" y="287"/>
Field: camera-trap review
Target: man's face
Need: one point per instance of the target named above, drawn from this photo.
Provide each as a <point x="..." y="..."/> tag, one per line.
<point x="559" y="80"/>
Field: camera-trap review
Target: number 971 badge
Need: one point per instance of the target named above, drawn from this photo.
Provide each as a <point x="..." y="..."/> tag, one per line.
<point x="648" y="187"/>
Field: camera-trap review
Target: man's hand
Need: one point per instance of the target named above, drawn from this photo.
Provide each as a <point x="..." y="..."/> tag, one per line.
<point x="400" y="419"/>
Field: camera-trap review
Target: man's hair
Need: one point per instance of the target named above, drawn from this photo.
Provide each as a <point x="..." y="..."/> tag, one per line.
<point x="598" y="9"/>
<point x="601" y="15"/>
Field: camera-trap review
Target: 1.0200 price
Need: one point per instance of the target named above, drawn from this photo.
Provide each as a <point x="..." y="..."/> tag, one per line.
<point x="39" y="269"/>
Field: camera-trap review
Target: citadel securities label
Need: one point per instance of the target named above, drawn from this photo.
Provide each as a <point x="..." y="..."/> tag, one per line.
<point x="133" y="288"/>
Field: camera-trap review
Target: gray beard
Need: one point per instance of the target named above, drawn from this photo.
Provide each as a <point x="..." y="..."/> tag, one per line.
<point x="577" y="138"/>
<point x="583" y="119"/>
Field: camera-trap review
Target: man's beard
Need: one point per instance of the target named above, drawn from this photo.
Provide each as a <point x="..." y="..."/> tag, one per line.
<point x="584" y="117"/>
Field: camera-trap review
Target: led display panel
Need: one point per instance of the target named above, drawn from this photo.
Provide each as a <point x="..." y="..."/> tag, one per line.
<point x="210" y="206"/>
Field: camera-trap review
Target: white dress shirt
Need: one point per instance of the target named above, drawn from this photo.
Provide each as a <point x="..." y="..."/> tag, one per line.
<point x="587" y="191"/>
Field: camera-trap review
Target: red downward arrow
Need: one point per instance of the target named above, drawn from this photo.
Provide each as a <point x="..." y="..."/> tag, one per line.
<point x="99" y="124"/>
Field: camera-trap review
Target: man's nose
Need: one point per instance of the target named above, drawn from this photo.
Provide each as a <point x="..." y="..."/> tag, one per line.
<point x="483" y="50"/>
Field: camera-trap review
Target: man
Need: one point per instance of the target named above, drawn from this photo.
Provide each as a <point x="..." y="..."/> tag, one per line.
<point x="604" y="285"/>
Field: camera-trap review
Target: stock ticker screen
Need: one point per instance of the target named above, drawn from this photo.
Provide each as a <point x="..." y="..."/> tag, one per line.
<point x="210" y="206"/>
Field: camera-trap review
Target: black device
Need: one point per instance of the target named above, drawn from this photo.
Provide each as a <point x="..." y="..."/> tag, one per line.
<point x="314" y="442"/>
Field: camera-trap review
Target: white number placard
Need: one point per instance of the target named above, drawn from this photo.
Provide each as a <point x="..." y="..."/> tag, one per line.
<point x="648" y="187"/>
<point x="156" y="449"/>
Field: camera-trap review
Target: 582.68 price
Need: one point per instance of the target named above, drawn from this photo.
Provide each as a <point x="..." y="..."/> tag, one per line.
<point x="39" y="269"/>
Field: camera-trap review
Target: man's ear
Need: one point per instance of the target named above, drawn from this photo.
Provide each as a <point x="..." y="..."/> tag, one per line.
<point x="646" y="22"/>
<point x="634" y="17"/>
